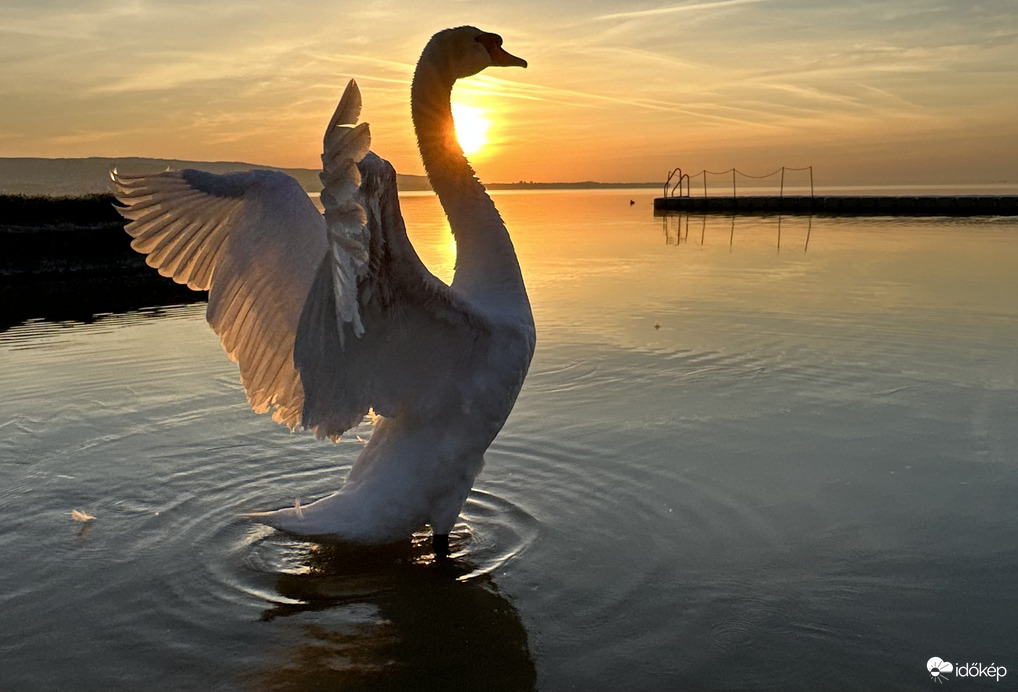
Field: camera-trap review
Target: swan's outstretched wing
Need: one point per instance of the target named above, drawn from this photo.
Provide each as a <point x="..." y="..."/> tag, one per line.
<point x="253" y="240"/>
<point x="343" y="300"/>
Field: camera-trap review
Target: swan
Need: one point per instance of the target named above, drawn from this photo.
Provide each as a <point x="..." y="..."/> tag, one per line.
<point x="332" y="317"/>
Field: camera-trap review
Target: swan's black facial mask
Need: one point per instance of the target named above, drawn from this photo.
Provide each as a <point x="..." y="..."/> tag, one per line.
<point x="499" y="56"/>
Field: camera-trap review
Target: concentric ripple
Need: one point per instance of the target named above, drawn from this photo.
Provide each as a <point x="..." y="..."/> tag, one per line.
<point x="255" y="564"/>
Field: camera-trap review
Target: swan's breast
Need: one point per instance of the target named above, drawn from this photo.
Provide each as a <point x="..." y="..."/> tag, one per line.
<point x="489" y="392"/>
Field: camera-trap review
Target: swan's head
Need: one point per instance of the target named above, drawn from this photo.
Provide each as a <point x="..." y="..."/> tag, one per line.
<point x="466" y="50"/>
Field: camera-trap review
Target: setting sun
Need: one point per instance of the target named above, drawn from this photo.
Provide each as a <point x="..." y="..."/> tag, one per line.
<point x="471" y="127"/>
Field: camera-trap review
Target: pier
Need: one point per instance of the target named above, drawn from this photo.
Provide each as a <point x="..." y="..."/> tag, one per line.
<point x="830" y="205"/>
<point x="679" y="197"/>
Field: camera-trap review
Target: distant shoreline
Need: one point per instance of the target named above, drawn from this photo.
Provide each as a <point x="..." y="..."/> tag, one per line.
<point x="67" y="177"/>
<point x="90" y="176"/>
<point x="584" y="185"/>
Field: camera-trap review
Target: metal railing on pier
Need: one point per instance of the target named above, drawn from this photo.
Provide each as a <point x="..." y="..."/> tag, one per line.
<point x="681" y="178"/>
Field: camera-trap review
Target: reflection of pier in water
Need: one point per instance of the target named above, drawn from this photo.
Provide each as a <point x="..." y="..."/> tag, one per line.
<point x="676" y="228"/>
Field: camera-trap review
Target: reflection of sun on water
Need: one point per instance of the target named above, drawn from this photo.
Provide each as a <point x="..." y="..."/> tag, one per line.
<point x="471" y="127"/>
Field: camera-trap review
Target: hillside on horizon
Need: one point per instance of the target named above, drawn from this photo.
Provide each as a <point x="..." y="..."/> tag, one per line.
<point x="89" y="176"/>
<point x="70" y="177"/>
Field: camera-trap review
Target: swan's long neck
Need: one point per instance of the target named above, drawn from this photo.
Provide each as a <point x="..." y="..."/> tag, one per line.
<point x="486" y="266"/>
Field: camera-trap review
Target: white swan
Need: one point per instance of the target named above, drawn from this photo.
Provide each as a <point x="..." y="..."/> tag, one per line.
<point x="328" y="316"/>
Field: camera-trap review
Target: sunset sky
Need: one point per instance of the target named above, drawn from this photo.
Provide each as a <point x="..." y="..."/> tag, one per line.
<point x="867" y="91"/>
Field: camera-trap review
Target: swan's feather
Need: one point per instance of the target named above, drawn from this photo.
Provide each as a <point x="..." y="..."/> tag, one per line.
<point x="345" y="144"/>
<point x="328" y="316"/>
<point x="253" y="240"/>
<point x="83" y="517"/>
<point x="378" y="329"/>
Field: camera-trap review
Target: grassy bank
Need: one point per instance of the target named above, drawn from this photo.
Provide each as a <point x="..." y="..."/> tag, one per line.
<point x="68" y="258"/>
<point x="39" y="212"/>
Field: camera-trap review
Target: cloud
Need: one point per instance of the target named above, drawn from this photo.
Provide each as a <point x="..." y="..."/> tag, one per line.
<point x="657" y="11"/>
<point x="607" y="81"/>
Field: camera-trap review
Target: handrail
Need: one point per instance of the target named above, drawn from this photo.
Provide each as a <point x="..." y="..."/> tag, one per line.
<point x="683" y="176"/>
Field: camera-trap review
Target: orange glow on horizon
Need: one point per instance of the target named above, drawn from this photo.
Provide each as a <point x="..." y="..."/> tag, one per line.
<point x="610" y="96"/>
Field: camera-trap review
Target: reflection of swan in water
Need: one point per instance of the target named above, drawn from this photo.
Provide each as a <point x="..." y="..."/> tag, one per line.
<point x="375" y="620"/>
<point x="330" y="316"/>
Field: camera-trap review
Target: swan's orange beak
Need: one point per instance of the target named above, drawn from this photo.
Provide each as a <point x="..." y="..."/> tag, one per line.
<point x="499" y="55"/>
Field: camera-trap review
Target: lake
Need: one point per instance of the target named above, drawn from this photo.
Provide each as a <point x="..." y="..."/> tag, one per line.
<point x="752" y="453"/>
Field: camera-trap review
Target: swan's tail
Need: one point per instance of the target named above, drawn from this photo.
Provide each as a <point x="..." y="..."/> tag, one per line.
<point x="288" y="520"/>
<point x="316" y="520"/>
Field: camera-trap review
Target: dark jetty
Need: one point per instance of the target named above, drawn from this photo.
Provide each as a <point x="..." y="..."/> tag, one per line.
<point x="826" y="205"/>
<point x="68" y="258"/>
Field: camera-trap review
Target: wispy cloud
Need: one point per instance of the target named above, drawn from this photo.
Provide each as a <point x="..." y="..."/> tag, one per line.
<point x="657" y="11"/>
<point x="615" y="90"/>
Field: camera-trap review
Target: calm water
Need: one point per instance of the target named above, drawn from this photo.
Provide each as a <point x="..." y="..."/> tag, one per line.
<point x="747" y="457"/>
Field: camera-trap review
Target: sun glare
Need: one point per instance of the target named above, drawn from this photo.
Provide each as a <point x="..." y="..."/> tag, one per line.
<point x="471" y="127"/>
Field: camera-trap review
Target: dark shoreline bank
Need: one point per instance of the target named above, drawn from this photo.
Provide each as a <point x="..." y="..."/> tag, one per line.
<point x="68" y="258"/>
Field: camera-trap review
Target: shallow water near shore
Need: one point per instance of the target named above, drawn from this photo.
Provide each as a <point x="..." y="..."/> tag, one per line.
<point x="751" y="453"/>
